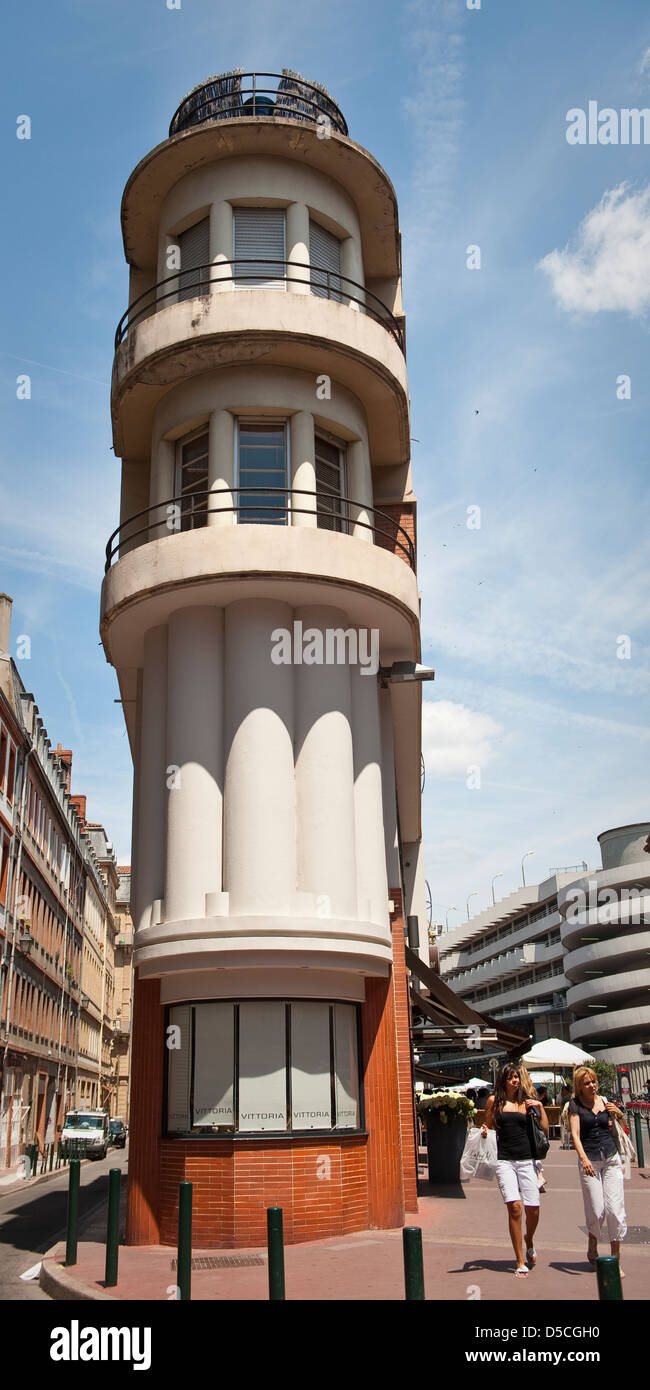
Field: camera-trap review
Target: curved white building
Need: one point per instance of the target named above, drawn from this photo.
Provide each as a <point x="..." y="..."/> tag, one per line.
<point x="606" y="939"/>
<point x="264" y="564"/>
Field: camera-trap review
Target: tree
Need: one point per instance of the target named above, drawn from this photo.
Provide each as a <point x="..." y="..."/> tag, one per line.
<point x="607" y="1081"/>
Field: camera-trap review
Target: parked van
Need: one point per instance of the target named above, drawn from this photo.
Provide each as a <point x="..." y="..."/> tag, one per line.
<point x="90" y="1129"/>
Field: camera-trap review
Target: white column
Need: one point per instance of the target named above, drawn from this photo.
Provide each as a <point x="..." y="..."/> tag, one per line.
<point x="389" y="791"/>
<point x="161" y="488"/>
<point x="298" y="247"/>
<point x="359" y="490"/>
<point x="325" y="773"/>
<point x="259" y="808"/>
<point x="194" y="768"/>
<point x="303" y="469"/>
<point x="221" y="448"/>
<point x="372" y="883"/>
<point x="352" y="268"/>
<point x="169" y="259"/>
<point x="221" y="245"/>
<point x="151" y="771"/>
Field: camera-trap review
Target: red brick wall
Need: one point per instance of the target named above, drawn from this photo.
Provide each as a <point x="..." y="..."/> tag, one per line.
<point x="385" y="1180"/>
<point x="401" y="514"/>
<point x="145" y="1115"/>
<point x="320" y="1184"/>
<point x="403" y="1045"/>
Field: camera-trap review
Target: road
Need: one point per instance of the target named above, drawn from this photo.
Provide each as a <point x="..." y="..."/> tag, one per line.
<point x="34" y="1219"/>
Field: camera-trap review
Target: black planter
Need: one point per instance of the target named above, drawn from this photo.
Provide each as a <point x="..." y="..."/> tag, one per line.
<point x="445" y="1144"/>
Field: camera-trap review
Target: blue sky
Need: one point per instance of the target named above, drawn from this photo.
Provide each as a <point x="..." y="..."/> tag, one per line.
<point x="466" y="110"/>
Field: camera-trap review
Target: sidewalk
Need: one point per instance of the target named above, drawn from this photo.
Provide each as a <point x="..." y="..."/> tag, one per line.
<point x="467" y="1254"/>
<point x="11" y="1179"/>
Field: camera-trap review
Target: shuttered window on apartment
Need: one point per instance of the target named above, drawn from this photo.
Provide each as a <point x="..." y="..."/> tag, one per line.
<point x="259" y="242"/>
<point x="194" y="255"/>
<point x="329" y="486"/>
<point x="192" y="482"/>
<point x="325" y="260"/>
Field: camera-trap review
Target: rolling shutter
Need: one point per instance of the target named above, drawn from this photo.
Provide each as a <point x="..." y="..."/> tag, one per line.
<point x="258" y="241"/>
<point x="325" y="257"/>
<point x="195" y="252"/>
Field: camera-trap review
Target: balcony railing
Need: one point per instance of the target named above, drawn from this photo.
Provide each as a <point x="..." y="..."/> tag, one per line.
<point x="255" y="506"/>
<point x="327" y="284"/>
<point x="263" y="95"/>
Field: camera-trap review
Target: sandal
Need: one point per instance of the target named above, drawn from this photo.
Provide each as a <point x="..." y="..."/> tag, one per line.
<point x="531" y="1257"/>
<point x="521" y="1272"/>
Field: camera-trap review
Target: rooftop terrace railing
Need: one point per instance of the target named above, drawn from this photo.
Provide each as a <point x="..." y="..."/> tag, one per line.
<point x="254" y="506"/>
<point x="265" y="95"/>
<point x="326" y="284"/>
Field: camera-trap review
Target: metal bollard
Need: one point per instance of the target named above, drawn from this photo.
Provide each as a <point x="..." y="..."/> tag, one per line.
<point x="609" y="1278"/>
<point x="184" y="1265"/>
<point x="413" y="1264"/>
<point x="112" y="1228"/>
<point x="275" y="1247"/>
<point x="639" y="1139"/>
<point x="73" y="1213"/>
<point x="51" y="1157"/>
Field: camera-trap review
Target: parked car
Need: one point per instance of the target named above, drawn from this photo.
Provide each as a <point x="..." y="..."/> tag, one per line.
<point x="117" y="1131"/>
<point x="86" y="1132"/>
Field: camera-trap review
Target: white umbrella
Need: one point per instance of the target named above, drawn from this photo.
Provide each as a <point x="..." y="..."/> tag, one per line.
<point x="475" y="1083"/>
<point x="553" y="1052"/>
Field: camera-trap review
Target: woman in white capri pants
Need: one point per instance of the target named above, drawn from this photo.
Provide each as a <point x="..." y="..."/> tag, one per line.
<point x="600" y="1167"/>
<point x="506" y="1112"/>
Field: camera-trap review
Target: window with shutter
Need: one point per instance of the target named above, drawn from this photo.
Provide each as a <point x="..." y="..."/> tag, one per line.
<point x="194" y="254"/>
<point x="325" y="259"/>
<point x="329" y="486"/>
<point x="262" y="469"/>
<point x="192" y="482"/>
<point x="259" y="243"/>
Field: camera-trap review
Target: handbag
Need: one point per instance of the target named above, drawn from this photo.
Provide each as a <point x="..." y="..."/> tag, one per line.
<point x="623" y="1142"/>
<point x="539" y="1145"/>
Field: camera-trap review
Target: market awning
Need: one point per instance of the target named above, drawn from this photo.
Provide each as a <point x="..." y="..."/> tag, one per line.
<point x="454" y="1017"/>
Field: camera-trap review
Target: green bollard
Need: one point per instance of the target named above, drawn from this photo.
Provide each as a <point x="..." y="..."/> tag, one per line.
<point x="73" y="1213"/>
<point x="184" y="1266"/>
<point x="112" y="1228"/>
<point x="413" y="1264"/>
<point x="275" y="1246"/>
<point x="34" y="1160"/>
<point x="639" y="1139"/>
<point x="609" y="1279"/>
<point x="51" y="1157"/>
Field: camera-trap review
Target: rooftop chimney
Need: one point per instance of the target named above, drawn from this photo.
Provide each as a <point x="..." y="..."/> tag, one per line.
<point x="64" y="756"/>
<point x="5" y="623"/>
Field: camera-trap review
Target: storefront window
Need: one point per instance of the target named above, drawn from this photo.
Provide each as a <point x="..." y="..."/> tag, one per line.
<point x="262" y="1066"/>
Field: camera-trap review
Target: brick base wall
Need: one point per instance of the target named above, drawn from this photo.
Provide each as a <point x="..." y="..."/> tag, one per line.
<point x="326" y="1185"/>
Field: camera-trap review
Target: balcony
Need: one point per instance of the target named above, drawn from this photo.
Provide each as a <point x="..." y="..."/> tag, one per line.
<point x="260" y="95"/>
<point x="250" y="506"/>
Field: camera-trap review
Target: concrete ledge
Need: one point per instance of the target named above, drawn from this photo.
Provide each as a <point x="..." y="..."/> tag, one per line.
<point x="56" y="1281"/>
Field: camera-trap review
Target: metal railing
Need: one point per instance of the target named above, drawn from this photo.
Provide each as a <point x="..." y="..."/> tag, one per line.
<point x="226" y="98"/>
<point x="276" y="506"/>
<point x="327" y="284"/>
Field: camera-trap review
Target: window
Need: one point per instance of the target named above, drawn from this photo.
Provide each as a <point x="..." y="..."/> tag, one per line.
<point x="3" y="758"/>
<point x="259" y="244"/>
<point x="329" y="485"/>
<point x="262" y="473"/>
<point x="194" y="247"/>
<point x="192" y="481"/>
<point x="263" y="1066"/>
<point x="325" y="261"/>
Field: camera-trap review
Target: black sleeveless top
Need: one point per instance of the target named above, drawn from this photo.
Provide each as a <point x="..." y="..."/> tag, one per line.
<point x="595" y="1134"/>
<point x="512" y="1136"/>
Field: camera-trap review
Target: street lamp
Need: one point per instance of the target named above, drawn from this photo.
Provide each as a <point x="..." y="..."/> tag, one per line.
<point x="402" y="672"/>
<point x="449" y="909"/>
<point x="472" y="895"/>
<point x="496" y="876"/>
<point x="523" y="876"/>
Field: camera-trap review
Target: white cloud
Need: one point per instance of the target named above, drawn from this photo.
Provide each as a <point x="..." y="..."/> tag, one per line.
<point x="610" y="267"/>
<point x="455" y="737"/>
<point x="645" y="61"/>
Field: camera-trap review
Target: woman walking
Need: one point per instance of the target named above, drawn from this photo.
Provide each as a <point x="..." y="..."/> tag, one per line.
<point x="591" y="1119"/>
<point x="507" y="1111"/>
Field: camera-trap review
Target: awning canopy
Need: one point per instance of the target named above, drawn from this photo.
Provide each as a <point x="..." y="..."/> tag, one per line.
<point x="453" y="1017"/>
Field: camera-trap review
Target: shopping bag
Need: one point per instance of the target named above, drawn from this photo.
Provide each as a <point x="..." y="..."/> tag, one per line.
<point x="479" y="1156"/>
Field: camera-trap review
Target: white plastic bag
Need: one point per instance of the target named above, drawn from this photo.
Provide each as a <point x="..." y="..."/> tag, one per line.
<point x="479" y="1158"/>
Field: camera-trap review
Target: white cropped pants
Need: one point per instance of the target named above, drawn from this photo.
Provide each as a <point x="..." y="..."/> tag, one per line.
<point x="604" y="1198"/>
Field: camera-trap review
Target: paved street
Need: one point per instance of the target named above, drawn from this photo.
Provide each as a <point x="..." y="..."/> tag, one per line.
<point x="33" y="1218"/>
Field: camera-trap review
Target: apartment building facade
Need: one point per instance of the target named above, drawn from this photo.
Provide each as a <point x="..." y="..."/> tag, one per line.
<point x="260" y="410"/>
